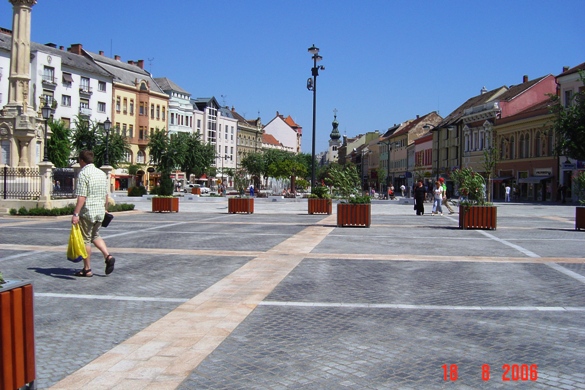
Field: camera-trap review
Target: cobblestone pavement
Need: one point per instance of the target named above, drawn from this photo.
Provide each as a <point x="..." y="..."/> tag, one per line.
<point x="202" y="299"/>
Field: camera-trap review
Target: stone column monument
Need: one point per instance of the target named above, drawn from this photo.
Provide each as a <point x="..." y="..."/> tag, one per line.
<point x="18" y="120"/>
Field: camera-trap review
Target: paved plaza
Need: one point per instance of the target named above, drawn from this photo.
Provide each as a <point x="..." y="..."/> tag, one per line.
<point x="278" y="299"/>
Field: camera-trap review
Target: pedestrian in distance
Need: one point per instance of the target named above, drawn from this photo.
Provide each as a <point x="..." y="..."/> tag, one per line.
<point x="419" y="198"/>
<point x="92" y="200"/>
<point x="445" y="200"/>
<point x="252" y="190"/>
<point x="402" y="189"/>
<point x="508" y="190"/>
<point x="438" y="199"/>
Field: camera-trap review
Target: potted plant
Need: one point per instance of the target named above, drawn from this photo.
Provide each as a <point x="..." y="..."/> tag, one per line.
<point x="354" y="210"/>
<point x="165" y="158"/>
<point x="17" y="339"/>
<point x="474" y="211"/>
<point x="579" y="181"/>
<point x="320" y="201"/>
<point x="241" y="203"/>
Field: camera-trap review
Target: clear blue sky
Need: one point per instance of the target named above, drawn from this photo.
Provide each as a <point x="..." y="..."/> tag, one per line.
<point x="386" y="60"/>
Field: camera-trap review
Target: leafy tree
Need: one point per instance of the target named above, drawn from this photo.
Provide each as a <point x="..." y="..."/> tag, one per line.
<point x="569" y="125"/>
<point x="164" y="158"/>
<point x="254" y="164"/>
<point x="59" y="146"/>
<point x="196" y="157"/>
<point x="90" y="135"/>
<point x="345" y="180"/>
<point x="289" y="166"/>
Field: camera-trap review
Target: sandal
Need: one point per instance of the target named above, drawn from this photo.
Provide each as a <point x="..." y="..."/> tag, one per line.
<point x="110" y="261"/>
<point x="84" y="273"/>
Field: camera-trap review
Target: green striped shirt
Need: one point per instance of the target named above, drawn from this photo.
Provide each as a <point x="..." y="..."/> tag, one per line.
<point x="92" y="184"/>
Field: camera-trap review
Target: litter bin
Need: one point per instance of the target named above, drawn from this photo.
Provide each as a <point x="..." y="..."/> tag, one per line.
<point x="17" y="335"/>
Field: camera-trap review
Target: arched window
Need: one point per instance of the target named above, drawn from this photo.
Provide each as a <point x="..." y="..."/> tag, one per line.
<point x="512" y="148"/>
<point x="537" y="145"/>
<point x="128" y="156"/>
<point x="140" y="157"/>
<point x="526" y="145"/>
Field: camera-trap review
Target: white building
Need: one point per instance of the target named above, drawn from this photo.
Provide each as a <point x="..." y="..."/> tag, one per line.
<point x="180" y="114"/>
<point x="286" y="131"/>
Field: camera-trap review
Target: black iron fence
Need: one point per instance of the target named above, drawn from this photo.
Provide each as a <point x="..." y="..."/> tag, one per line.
<point x="63" y="183"/>
<point x="24" y="183"/>
<point x="20" y="183"/>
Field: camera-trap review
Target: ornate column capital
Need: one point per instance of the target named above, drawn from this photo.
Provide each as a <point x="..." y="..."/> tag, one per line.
<point x="27" y="3"/>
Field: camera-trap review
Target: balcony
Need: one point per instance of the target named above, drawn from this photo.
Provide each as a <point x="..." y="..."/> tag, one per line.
<point x="85" y="91"/>
<point x="85" y="111"/>
<point x="49" y="82"/>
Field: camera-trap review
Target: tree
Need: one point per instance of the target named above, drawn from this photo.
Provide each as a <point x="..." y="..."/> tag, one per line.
<point x="290" y="166"/>
<point x="164" y="158"/>
<point x="569" y="125"/>
<point x="490" y="158"/>
<point x="90" y="135"/>
<point x="253" y="163"/>
<point x="59" y="145"/>
<point x="196" y="157"/>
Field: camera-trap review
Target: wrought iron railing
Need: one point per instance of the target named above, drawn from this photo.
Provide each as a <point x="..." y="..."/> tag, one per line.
<point x="20" y="183"/>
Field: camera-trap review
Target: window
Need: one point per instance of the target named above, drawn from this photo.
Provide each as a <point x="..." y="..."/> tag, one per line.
<point x="5" y="152"/>
<point x="131" y="130"/>
<point x="102" y="86"/>
<point x="118" y="103"/>
<point x="128" y="156"/>
<point x="66" y="101"/>
<point x="140" y="157"/>
<point x="67" y="80"/>
<point x="568" y="96"/>
<point x="101" y="107"/>
<point x="125" y="106"/>
<point x="538" y="145"/>
<point x="131" y="106"/>
<point x="84" y="103"/>
<point x="163" y="113"/>
<point x="141" y="133"/>
<point x="84" y="85"/>
<point x="152" y="111"/>
<point x="157" y="111"/>
<point x="142" y="109"/>
<point x="49" y="74"/>
<point x="512" y="148"/>
<point x="172" y="118"/>
<point x="124" y="130"/>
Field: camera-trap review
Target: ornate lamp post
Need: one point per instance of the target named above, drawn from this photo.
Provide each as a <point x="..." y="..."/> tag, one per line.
<point x="46" y="112"/>
<point x="107" y="127"/>
<point x="312" y="86"/>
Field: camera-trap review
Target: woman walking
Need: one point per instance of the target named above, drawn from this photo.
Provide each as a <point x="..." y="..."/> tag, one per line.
<point x="419" y="198"/>
<point x="438" y="199"/>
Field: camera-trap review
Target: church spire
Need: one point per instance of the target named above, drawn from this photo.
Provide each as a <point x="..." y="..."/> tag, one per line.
<point x="335" y="133"/>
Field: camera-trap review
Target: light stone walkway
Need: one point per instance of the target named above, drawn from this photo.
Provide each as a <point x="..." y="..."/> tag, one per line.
<point x="164" y="354"/>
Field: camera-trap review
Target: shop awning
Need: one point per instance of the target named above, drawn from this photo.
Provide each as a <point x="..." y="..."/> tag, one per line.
<point x="534" y="179"/>
<point x="502" y="178"/>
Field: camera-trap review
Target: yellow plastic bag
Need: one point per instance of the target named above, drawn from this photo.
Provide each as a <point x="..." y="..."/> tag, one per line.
<point x="76" y="248"/>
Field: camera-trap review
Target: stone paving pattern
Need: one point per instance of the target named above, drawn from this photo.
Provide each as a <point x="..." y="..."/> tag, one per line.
<point x="379" y="308"/>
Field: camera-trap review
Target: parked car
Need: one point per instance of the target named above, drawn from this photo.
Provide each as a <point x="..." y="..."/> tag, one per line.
<point x="204" y="190"/>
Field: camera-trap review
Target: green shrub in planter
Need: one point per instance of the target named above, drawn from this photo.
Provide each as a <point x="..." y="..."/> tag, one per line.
<point x="137" y="191"/>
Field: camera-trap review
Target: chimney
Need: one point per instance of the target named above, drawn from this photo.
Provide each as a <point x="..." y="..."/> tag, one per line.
<point x="61" y="48"/>
<point x="525" y="78"/>
<point x="101" y="52"/>
<point x="131" y="62"/>
<point x="117" y="57"/>
<point x="76" y="48"/>
<point x="565" y="68"/>
<point x="140" y="64"/>
<point x="50" y="44"/>
<point x="483" y="90"/>
<point x="417" y="116"/>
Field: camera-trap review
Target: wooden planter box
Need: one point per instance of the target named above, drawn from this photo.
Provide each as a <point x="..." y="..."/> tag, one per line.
<point x="354" y="215"/>
<point x="17" y="335"/>
<point x="579" y="218"/>
<point x="241" y="205"/>
<point x="196" y="191"/>
<point x="160" y="205"/>
<point x="478" y="217"/>
<point x="320" y="206"/>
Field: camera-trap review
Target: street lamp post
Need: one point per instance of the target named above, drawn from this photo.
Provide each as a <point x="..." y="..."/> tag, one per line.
<point x="46" y="112"/>
<point x="107" y="127"/>
<point x="312" y="86"/>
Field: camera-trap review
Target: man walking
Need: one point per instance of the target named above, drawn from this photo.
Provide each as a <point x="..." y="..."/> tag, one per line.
<point x="444" y="202"/>
<point x="508" y="190"/>
<point x="92" y="199"/>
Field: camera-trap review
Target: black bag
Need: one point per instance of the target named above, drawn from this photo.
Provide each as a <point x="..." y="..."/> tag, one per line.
<point x="107" y="219"/>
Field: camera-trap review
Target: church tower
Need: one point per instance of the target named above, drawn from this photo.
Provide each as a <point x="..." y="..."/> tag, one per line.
<point x="334" y="141"/>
